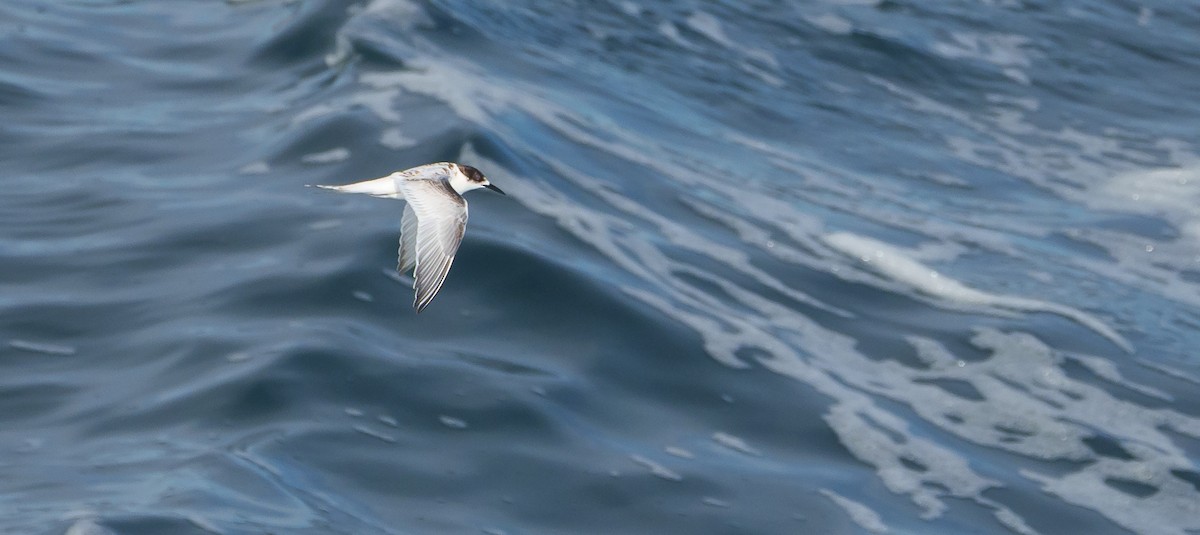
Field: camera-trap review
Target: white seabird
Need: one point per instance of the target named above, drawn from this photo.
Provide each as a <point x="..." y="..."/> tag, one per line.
<point x="434" y="221"/>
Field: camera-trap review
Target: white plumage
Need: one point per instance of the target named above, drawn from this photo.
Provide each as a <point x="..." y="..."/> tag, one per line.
<point x="434" y="219"/>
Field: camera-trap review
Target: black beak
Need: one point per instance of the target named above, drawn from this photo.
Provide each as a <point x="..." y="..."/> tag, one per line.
<point x="495" y="189"/>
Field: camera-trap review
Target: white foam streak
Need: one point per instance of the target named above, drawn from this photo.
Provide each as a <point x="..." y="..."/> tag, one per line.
<point x="859" y="513"/>
<point x="42" y="347"/>
<point x="330" y="156"/>
<point x="656" y="468"/>
<point x="897" y="265"/>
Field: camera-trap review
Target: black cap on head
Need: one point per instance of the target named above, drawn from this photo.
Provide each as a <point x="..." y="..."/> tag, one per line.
<point x="472" y="173"/>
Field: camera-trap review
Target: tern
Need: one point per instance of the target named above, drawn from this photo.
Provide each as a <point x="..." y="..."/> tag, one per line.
<point x="434" y="221"/>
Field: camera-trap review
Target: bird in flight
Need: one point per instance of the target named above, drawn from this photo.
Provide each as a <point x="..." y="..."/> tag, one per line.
<point x="434" y="221"/>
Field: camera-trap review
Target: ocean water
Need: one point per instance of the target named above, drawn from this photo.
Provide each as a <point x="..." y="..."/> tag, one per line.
<point x="840" y="266"/>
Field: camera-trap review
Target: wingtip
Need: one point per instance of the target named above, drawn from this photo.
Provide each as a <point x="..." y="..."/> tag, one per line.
<point x="420" y="305"/>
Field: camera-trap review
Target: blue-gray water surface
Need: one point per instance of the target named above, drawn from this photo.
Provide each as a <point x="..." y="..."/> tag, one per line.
<point x="840" y="266"/>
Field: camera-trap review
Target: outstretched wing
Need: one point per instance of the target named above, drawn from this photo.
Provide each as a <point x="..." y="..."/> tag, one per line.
<point x="408" y="240"/>
<point x="441" y="220"/>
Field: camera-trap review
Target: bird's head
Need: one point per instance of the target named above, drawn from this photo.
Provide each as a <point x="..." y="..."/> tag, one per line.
<point x="476" y="180"/>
